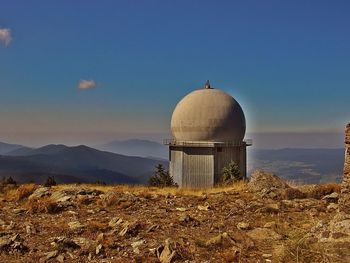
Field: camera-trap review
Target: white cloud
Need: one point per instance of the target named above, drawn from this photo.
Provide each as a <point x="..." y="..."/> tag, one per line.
<point x="5" y="36"/>
<point x="87" y="84"/>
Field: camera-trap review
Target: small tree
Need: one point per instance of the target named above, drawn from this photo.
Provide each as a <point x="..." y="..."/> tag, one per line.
<point x="161" y="178"/>
<point x="231" y="173"/>
<point x="50" y="181"/>
<point x="10" y="181"/>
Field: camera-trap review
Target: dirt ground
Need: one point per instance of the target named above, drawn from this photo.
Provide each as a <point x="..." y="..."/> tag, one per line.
<point x="92" y="223"/>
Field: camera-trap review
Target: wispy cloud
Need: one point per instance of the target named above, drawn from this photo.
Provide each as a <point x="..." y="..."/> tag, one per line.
<point x="5" y="36"/>
<point x="87" y="84"/>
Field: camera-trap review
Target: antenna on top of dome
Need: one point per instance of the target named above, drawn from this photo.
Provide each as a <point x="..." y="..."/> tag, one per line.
<point x="207" y="85"/>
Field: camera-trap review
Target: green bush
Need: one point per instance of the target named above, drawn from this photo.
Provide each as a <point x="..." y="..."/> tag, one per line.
<point x="50" y="181"/>
<point x="161" y="178"/>
<point x="7" y="181"/>
<point x="231" y="173"/>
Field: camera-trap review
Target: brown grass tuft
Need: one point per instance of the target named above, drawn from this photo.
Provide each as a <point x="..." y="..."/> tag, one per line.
<point x="300" y="247"/>
<point x="293" y="193"/>
<point x="24" y="191"/>
<point x="96" y="226"/>
<point x="42" y="205"/>
<point x="319" y="191"/>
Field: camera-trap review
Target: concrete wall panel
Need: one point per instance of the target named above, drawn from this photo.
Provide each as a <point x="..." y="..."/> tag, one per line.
<point x="198" y="167"/>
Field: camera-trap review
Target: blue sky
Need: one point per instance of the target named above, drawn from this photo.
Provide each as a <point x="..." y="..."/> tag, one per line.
<point x="286" y="62"/>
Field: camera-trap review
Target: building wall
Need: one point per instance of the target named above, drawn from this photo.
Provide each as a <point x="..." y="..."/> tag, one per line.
<point x="176" y="164"/>
<point x="243" y="161"/>
<point x="344" y="202"/>
<point x="198" y="167"/>
<point x="224" y="155"/>
<point x="201" y="167"/>
<point x="192" y="166"/>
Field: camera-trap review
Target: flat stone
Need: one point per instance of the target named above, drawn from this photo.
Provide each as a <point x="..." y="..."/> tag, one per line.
<point x="40" y="192"/>
<point x="203" y="207"/>
<point x="331" y="198"/>
<point x="51" y="254"/>
<point x="332" y="207"/>
<point x="167" y="255"/>
<point x="18" y="211"/>
<point x="185" y="219"/>
<point x="75" y="225"/>
<point x="135" y="245"/>
<point x="181" y="209"/>
<point x="98" y="249"/>
<point x="5" y="241"/>
<point x="64" y="242"/>
<point x="262" y="234"/>
<point x="219" y="240"/>
<point x="271" y="225"/>
<point x="60" y="258"/>
<point x="115" y="221"/>
<point x="243" y="226"/>
<point x="30" y="229"/>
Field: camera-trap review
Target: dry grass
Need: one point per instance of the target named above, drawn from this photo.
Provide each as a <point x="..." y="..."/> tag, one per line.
<point x="147" y="191"/>
<point x="96" y="226"/>
<point x="42" y="205"/>
<point x="6" y="188"/>
<point x="160" y="213"/>
<point x="319" y="191"/>
<point x="293" y="193"/>
<point x="301" y="248"/>
<point x="294" y="184"/>
<point x="24" y="191"/>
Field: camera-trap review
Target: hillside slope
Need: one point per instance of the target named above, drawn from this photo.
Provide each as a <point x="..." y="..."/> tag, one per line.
<point x="7" y="147"/>
<point x="89" y="223"/>
<point x="136" y="147"/>
<point x="77" y="164"/>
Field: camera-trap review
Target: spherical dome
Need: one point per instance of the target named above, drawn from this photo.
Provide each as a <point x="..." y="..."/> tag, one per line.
<point x="208" y="115"/>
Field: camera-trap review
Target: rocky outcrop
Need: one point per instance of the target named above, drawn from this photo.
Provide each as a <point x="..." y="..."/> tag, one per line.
<point x="344" y="201"/>
<point x="267" y="185"/>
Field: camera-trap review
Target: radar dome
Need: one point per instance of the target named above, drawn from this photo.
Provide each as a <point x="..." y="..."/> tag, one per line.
<point x="208" y="115"/>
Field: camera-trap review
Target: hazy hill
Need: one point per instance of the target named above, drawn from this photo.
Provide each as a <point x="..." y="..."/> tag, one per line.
<point x="136" y="147"/>
<point x="7" y="147"/>
<point x="48" y="149"/>
<point x="80" y="163"/>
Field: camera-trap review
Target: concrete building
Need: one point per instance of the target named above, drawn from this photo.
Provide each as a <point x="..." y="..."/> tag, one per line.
<point x="208" y="128"/>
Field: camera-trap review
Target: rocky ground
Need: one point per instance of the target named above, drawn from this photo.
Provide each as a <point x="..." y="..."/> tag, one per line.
<point x="265" y="220"/>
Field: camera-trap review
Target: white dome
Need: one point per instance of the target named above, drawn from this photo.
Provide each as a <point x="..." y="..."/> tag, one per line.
<point x="208" y="115"/>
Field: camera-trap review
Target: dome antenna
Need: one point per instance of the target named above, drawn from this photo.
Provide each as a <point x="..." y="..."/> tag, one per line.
<point x="207" y="85"/>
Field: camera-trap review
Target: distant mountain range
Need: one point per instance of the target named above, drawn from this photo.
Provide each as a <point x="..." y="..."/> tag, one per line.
<point x="136" y="147"/>
<point x="74" y="164"/>
<point x="131" y="163"/>
<point x="6" y="147"/>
